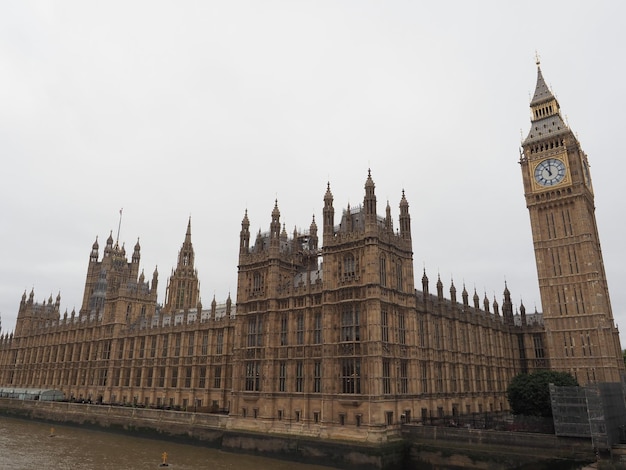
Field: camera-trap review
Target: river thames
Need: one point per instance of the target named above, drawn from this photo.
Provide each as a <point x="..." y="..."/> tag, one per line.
<point x="27" y="445"/>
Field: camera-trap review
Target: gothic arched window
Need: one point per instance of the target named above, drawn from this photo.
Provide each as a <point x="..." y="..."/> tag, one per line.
<point x="349" y="270"/>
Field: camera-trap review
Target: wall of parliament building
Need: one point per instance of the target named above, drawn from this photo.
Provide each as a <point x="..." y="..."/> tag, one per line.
<point x="328" y="335"/>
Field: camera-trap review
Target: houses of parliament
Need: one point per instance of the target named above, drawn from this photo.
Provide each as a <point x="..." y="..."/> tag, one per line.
<point x="328" y="335"/>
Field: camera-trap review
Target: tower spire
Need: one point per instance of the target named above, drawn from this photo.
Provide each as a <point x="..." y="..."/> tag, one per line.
<point x="542" y="91"/>
<point x="545" y="113"/>
<point x="188" y="233"/>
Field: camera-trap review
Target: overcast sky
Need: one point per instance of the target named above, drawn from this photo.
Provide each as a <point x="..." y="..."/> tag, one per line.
<point x="205" y="109"/>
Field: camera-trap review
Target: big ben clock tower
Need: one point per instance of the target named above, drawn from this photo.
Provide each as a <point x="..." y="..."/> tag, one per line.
<point x="580" y="332"/>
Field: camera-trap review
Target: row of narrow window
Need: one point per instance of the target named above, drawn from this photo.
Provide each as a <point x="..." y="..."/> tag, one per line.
<point x="560" y="221"/>
<point x="348" y="270"/>
<point x="570" y="305"/>
<point x="147" y="347"/>
<point x="125" y="377"/>
<point x="543" y="112"/>
<point x="484" y="378"/>
<point x="569" y="347"/>
<point x="556" y="143"/>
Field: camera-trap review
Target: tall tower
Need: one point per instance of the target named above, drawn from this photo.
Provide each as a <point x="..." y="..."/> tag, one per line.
<point x="369" y="297"/>
<point x="580" y="332"/>
<point x="182" y="292"/>
<point x="115" y="291"/>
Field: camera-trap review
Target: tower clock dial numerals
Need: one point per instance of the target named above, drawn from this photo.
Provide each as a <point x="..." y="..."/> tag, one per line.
<point x="550" y="172"/>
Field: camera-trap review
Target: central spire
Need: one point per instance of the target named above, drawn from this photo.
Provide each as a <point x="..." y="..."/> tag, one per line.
<point x="186" y="254"/>
<point x="542" y="92"/>
<point x="545" y="113"/>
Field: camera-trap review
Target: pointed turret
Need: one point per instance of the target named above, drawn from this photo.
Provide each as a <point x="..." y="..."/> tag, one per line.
<point x="507" y="306"/>
<point x="244" y="235"/>
<point x="258" y="244"/>
<point x="329" y="213"/>
<point x="465" y="296"/>
<point x="229" y="306"/>
<point x="275" y="225"/>
<point x="348" y="219"/>
<point x="452" y="292"/>
<point x="136" y="252"/>
<point x="313" y="233"/>
<point x="109" y="246"/>
<point x="439" y="288"/>
<point x="313" y="227"/>
<point x="93" y="256"/>
<point x="405" y="218"/>
<point x="369" y="201"/>
<point x="155" y="279"/>
<point x="135" y="260"/>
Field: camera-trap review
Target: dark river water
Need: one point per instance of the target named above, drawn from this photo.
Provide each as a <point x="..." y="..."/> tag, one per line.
<point x="29" y="445"/>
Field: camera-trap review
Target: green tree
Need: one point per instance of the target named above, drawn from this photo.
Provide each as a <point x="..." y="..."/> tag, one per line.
<point x="529" y="394"/>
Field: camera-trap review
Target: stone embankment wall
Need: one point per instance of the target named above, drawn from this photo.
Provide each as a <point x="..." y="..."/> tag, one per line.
<point x="211" y="430"/>
<point x="423" y="447"/>
<point x="460" y="448"/>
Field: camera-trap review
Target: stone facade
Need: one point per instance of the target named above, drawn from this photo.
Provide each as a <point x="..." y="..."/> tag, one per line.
<point x="329" y="341"/>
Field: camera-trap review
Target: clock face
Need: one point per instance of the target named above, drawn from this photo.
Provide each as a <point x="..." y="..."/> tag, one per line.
<point x="550" y="172"/>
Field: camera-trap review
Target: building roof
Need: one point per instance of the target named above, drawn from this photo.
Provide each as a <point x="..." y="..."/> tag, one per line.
<point x="542" y="92"/>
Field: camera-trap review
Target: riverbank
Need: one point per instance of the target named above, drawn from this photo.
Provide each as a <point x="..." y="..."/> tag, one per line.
<point x="423" y="447"/>
<point x="210" y="430"/>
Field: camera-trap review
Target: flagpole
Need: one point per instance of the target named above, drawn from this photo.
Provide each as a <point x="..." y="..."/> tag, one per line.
<point x="119" y="225"/>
